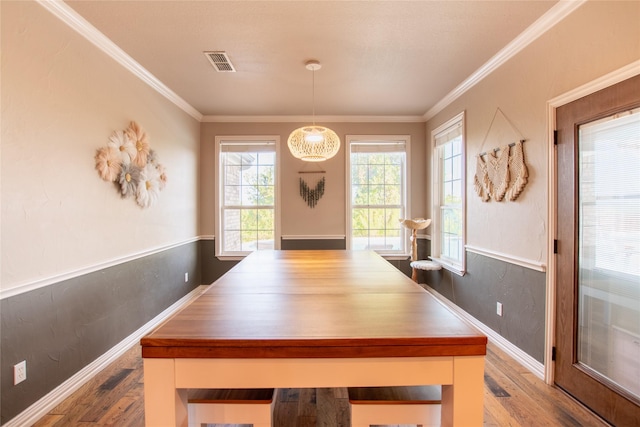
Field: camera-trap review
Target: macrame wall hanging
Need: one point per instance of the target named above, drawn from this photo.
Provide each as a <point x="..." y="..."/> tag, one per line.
<point x="312" y="195"/>
<point x="501" y="173"/>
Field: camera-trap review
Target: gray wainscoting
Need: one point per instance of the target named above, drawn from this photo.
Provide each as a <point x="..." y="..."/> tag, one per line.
<point x="212" y="268"/>
<point x="293" y="244"/>
<point x="61" y="328"/>
<point x="520" y="290"/>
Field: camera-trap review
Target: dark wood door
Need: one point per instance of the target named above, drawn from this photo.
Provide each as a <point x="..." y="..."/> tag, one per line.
<point x="598" y="285"/>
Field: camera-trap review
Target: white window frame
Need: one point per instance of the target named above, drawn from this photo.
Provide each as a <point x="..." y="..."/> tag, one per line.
<point x="405" y="251"/>
<point x="260" y="140"/>
<point x="453" y="265"/>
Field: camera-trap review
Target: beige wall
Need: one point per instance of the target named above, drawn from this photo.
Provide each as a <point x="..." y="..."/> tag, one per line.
<point x="61" y="100"/>
<point x="328" y="217"/>
<point x="596" y="39"/>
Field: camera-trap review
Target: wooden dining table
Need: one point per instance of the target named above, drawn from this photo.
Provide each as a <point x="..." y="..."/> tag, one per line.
<point x="313" y="318"/>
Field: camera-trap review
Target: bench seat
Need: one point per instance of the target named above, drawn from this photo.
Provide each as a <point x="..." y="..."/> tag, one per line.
<point x="419" y="405"/>
<point x="231" y="406"/>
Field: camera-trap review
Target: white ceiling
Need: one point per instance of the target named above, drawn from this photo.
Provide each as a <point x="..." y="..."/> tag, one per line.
<point x="379" y="58"/>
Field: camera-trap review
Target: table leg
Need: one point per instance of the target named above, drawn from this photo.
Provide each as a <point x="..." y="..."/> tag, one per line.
<point x="164" y="405"/>
<point x="463" y="401"/>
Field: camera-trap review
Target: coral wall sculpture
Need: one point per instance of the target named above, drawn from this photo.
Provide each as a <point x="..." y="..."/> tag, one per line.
<point x="129" y="162"/>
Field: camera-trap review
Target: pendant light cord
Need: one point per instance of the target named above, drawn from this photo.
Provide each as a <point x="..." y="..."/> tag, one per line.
<point x="313" y="96"/>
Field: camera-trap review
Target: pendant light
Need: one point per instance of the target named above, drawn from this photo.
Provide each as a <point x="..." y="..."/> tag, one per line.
<point x="313" y="143"/>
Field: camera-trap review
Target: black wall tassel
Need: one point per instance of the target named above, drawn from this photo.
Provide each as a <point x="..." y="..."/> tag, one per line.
<point x="311" y="196"/>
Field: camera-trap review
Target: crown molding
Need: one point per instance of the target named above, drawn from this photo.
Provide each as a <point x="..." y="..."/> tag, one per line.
<point x="70" y="17"/>
<point x="553" y="16"/>
<point x="309" y="119"/>
<point x="616" y="76"/>
<point x="66" y="14"/>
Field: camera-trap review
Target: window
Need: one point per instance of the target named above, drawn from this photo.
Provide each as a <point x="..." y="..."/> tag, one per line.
<point x="449" y="195"/>
<point x="377" y="188"/>
<point x="247" y="199"/>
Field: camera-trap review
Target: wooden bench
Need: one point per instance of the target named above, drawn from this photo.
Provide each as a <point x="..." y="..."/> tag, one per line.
<point x="231" y="406"/>
<point x="395" y="405"/>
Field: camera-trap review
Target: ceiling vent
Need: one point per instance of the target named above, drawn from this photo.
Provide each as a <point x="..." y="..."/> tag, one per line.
<point x="220" y="61"/>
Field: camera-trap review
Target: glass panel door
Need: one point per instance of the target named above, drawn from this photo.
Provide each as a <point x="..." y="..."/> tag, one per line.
<point x="597" y="340"/>
<point x="609" y="249"/>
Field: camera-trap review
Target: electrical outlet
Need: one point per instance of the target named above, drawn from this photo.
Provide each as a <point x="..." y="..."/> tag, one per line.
<point x="499" y="309"/>
<point x="19" y="372"/>
<point x="186" y="277"/>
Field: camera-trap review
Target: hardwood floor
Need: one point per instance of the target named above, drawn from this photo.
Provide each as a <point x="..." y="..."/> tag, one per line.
<point x="512" y="397"/>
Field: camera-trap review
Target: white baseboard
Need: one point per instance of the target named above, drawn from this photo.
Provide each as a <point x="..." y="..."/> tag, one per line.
<point x="520" y="356"/>
<point x="40" y="408"/>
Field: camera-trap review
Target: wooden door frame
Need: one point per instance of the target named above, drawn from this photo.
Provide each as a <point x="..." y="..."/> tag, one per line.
<point x="617" y="76"/>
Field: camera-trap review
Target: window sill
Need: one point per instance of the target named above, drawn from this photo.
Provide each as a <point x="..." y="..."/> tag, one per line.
<point x="231" y="257"/>
<point x="395" y="257"/>
<point x="456" y="269"/>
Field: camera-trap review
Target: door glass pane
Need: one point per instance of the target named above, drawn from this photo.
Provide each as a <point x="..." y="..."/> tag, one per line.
<point x="609" y="249"/>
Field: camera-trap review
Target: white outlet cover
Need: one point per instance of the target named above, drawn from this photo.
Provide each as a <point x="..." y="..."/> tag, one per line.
<point x="19" y="372"/>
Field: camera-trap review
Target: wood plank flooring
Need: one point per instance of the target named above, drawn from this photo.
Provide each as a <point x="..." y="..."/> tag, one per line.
<point x="512" y="397"/>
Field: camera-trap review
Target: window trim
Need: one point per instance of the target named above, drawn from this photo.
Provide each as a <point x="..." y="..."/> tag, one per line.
<point x="255" y="139"/>
<point x="349" y="139"/>
<point x="436" y="243"/>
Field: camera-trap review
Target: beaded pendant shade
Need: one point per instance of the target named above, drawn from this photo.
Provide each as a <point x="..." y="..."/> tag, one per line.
<point x="313" y="143"/>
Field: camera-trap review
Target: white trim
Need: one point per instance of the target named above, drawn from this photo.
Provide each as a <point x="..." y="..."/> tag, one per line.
<point x="610" y="79"/>
<point x="309" y="119"/>
<point x="550" y="295"/>
<point x="396" y="257"/>
<point x="624" y="73"/>
<point x="45" y="404"/>
<point x="258" y="140"/>
<point x="70" y="17"/>
<point x="231" y="257"/>
<point x="41" y="283"/>
<point x="454" y="268"/>
<point x="75" y="21"/>
<point x="314" y="237"/>
<point x="512" y="350"/>
<point x="543" y="24"/>
<point x="208" y="237"/>
<point x="378" y="138"/>
<point x="511" y="259"/>
<point x="424" y="236"/>
<point x="436" y="187"/>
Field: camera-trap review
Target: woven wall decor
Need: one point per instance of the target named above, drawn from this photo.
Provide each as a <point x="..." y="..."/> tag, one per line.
<point x="492" y="176"/>
<point x="502" y="175"/>
<point x="518" y="171"/>
<point x="311" y="195"/>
